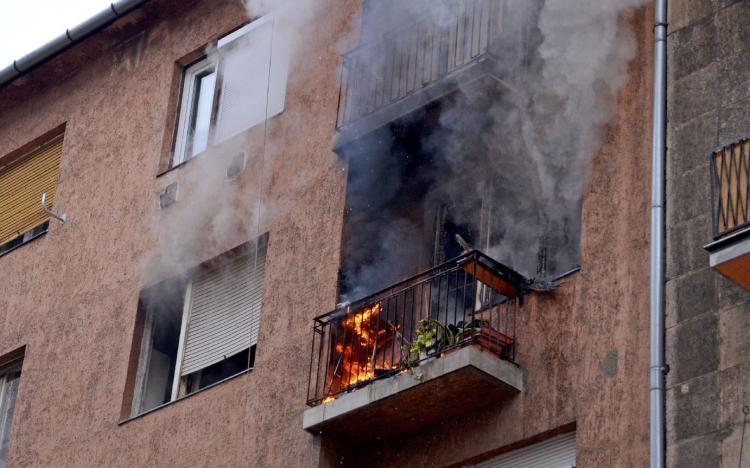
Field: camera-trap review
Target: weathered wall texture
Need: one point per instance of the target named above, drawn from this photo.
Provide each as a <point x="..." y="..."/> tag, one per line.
<point x="71" y="296"/>
<point x="708" y="316"/>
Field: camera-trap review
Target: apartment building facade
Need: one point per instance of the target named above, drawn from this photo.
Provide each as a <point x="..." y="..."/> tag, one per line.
<point x="235" y="282"/>
<point x="706" y="289"/>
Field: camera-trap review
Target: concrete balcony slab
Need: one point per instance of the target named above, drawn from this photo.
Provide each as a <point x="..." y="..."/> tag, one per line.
<point x="731" y="257"/>
<point x="458" y="382"/>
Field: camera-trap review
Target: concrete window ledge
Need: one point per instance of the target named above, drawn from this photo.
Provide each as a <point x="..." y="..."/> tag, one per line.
<point x="456" y="383"/>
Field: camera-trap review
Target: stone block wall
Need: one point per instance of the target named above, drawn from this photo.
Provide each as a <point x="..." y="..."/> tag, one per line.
<point x="708" y="316"/>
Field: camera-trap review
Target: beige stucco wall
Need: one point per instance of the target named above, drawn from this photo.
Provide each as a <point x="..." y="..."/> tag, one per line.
<point x="71" y="296"/>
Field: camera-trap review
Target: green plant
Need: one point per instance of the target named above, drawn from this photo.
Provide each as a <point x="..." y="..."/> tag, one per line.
<point x="434" y="335"/>
<point x="452" y="334"/>
<point x="426" y="338"/>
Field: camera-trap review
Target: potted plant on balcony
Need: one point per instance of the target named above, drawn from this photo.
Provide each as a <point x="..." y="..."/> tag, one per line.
<point x="426" y="344"/>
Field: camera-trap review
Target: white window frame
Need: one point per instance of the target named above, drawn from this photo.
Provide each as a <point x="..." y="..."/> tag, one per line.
<point x="6" y="370"/>
<point x="179" y="385"/>
<point x="188" y="103"/>
<point x="214" y="62"/>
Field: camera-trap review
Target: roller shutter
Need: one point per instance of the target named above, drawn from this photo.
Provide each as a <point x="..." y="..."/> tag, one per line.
<point x="557" y="452"/>
<point x="224" y="312"/>
<point x="22" y="184"/>
<point x="251" y="91"/>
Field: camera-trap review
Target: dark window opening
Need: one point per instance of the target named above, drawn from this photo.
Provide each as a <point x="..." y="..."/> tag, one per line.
<point x="24" y="238"/>
<point x="433" y="184"/>
<point x="162" y="308"/>
<point x="215" y="373"/>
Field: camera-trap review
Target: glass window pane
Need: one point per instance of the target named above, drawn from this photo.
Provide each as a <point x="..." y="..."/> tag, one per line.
<point x="202" y="106"/>
<point x="9" y="392"/>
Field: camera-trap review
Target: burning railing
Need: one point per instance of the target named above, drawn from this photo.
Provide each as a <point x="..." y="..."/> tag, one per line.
<point x="471" y="300"/>
<point x="415" y="55"/>
<point x="730" y="177"/>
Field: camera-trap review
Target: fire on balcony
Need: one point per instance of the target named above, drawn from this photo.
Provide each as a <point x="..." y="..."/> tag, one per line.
<point x="471" y="300"/>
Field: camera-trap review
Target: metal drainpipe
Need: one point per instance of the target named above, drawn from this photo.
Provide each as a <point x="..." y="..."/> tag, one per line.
<point x="658" y="156"/>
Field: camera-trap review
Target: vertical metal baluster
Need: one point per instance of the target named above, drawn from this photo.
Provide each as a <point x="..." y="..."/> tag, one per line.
<point x="342" y="321"/>
<point x="476" y="29"/>
<point x="744" y="196"/>
<point x="714" y="217"/>
<point x="394" y="50"/>
<point x="507" y="315"/>
<point x="362" y="98"/>
<point x="474" y="259"/>
<point x="353" y="109"/>
<point x="359" y="346"/>
<point x="421" y="46"/>
<point x="402" y="55"/>
<point x="465" y="273"/>
<point x="416" y="311"/>
<point x="455" y="321"/>
<point x="486" y="290"/>
<point x="317" y="373"/>
<point x="416" y="59"/>
<point x="353" y="362"/>
<point x="730" y="198"/>
<point x="393" y="334"/>
<point x="368" y="64"/>
<point x="432" y="54"/>
<point x="387" y="321"/>
<point x="724" y="182"/>
<point x="380" y="84"/>
<point x="373" y="355"/>
<point x="516" y="305"/>
<point x="446" y="275"/>
<point x="403" y="326"/>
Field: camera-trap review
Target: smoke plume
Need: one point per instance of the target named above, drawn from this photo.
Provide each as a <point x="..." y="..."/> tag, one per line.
<point x="531" y="147"/>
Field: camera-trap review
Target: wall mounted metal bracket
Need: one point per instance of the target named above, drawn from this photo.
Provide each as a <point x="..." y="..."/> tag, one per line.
<point x="62" y="218"/>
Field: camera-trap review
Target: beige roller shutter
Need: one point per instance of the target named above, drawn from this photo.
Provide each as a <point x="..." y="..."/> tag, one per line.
<point x="557" y="452"/>
<point x="224" y="312"/>
<point x="22" y="184"/>
<point x="244" y="90"/>
<point x="254" y="76"/>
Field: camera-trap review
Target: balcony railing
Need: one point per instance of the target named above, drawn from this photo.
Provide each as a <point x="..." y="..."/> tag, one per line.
<point x="469" y="301"/>
<point x="730" y="177"/>
<point x="414" y="56"/>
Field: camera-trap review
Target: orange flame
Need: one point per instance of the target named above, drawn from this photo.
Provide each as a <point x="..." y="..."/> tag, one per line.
<point x="366" y="346"/>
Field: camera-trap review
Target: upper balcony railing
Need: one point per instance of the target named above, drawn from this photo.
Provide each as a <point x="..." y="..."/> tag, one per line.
<point x="415" y="55"/>
<point x="730" y="187"/>
<point x="470" y="300"/>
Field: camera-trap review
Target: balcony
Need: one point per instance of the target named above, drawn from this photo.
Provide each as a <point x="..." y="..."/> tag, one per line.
<point x="730" y="191"/>
<point x="423" y="60"/>
<point x="440" y="343"/>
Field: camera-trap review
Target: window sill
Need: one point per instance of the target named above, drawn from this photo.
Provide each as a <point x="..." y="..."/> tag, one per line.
<point x="169" y="403"/>
<point x="175" y="167"/>
<point x="24" y="243"/>
<point x="216" y="146"/>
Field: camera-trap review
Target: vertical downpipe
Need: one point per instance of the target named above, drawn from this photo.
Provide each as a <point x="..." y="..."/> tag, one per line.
<point x="657" y="234"/>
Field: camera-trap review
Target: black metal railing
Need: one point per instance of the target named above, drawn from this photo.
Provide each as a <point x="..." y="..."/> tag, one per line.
<point x="730" y="187"/>
<point x="415" y="55"/>
<point x="471" y="300"/>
